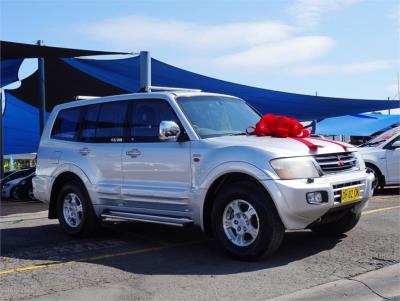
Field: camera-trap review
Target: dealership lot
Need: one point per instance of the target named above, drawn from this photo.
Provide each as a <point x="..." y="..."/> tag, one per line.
<point x="145" y="261"/>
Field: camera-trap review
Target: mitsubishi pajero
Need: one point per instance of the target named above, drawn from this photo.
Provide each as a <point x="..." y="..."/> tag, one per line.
<point x="183" y="158"/>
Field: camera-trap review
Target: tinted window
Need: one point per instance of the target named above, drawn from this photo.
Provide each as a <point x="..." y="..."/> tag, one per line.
<point x="145" y="117"/>
<point x="66" y="124"/>
<point x="111" y="122"/>
<point x="88" y="131"/>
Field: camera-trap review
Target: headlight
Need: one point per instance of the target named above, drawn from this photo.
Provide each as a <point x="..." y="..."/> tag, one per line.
<point x="360" y="161"/>
<point x="295" y="168"/>
<point x="23" y="182"/>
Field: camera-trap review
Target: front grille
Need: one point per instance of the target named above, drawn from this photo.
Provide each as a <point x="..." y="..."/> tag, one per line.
<point x="337" y="162"/>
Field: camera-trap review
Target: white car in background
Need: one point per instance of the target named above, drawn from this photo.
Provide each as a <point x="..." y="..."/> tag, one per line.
<point x="382" y="157"/>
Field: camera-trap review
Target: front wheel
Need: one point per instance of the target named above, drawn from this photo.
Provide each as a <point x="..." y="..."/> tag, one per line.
<point x="245" y="221"/>
<point x="30" y="194"/>
<point x="378" y="181"/>
<point x="339" y="226"/>
<point x="75" y="212"/>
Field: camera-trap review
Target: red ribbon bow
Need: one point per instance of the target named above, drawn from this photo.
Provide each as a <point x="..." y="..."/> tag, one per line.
<point x="283" y="127"/>
<point x="279" y="126"/>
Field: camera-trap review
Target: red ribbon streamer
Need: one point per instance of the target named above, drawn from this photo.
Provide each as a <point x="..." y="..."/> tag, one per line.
<point x="309" y="144"/>
<point x="345" y="147"/>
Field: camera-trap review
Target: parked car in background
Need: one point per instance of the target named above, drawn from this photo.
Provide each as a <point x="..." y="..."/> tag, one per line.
<point x="9" y="183"/>
<point x="382" y="157"/>
<point x="183" y="158"/>
<point x="24" y="190"/>
<point x="12" y="175"/>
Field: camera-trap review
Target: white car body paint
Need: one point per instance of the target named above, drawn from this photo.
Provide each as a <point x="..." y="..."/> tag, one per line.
<point x="386" y="159"/>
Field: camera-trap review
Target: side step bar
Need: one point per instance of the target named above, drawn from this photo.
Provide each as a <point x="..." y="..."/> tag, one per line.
<point x="166" y="220"/>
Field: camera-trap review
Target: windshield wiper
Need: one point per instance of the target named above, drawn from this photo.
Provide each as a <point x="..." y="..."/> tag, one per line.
<point x="237" y="134"/>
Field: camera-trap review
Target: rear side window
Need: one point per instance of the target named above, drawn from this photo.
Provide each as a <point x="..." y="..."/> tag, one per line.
<point x="89" y="119"/>
<point x="111" y="122"/>
<point x="66" y="125"/>
<point x="145" y="117"/>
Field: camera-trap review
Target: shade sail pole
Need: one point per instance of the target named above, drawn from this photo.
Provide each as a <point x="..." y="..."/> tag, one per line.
<point x="42" y="92"/>
<point x="145" y="71"/>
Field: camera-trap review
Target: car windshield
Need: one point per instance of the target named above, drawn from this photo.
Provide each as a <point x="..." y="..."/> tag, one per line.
<point x="213" y="116"/>
<point x="380" y="139"/>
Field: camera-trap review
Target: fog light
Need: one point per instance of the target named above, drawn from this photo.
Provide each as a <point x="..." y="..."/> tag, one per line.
<point x="316" y="198"/>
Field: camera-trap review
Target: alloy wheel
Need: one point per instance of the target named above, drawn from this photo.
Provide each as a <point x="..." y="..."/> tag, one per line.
<point x="72" y="210"/>
<point x="241" y="223"/>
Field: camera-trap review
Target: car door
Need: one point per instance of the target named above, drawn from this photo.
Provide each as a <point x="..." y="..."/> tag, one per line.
<point x="101" y="136"/>
<point x="393" y="162"/>
<point x="157" y="174"/>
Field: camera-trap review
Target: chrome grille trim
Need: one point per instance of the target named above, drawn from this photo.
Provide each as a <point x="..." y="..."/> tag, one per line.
<point x="337" y="162"/>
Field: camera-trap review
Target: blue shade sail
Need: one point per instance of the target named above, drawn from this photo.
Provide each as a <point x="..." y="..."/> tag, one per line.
<point x="121" y="73"/>
<point x="9" y="71"/>
<point x="21" y="126"/>
<point x="124" y="74"/>
<point x="356" y="125"/>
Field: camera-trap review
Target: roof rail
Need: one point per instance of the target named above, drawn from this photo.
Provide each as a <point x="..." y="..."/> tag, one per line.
<point x="150" y="88"/>
<point x="84" y="97"/>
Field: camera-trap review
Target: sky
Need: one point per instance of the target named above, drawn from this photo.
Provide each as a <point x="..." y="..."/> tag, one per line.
<point x="339" y="48"/>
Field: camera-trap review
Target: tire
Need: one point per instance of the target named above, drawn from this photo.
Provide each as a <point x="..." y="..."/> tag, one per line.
<point x="266" y="221"/>
<point x="340" y="226"/>
<point x="14" y="194"/>
<point x="78" y="219"/>
<point x="379" y="181"/>
<point x="29" y="193"/>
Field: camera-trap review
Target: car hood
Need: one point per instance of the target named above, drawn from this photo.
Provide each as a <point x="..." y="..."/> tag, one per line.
<point x="280" y="146"/>
<point x="13" y="182"/>
<point x="369" y="150"/>
<point x="16" y="181"/>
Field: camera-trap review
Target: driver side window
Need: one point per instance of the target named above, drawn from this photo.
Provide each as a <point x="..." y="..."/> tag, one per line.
<point x="145" y="117"/>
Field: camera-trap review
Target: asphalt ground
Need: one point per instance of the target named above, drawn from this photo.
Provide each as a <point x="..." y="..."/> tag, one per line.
<point x="135" y="261"/>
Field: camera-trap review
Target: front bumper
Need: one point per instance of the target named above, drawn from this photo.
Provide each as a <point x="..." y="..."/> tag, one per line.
<point x="289" y="196"/>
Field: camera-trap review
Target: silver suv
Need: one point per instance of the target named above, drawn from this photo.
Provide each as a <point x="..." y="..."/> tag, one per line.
<point x="183" y="158"/>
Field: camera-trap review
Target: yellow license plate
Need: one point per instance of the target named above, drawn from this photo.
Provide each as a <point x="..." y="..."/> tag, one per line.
<point x="350" y="194"/>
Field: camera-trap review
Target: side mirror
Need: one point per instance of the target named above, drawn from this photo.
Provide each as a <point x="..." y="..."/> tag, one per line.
<point x="169" y="131"/>
<point x="395" y="145"/>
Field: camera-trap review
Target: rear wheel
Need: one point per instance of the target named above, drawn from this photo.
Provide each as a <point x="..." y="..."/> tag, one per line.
<point x="245" y="221"/>
<point x="339" y="226"/>
<point x="75" y="211"/>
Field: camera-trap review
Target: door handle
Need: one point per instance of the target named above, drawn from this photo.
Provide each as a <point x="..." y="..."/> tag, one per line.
<point x="133" y="153"/>
<point x="84" y="151"/>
